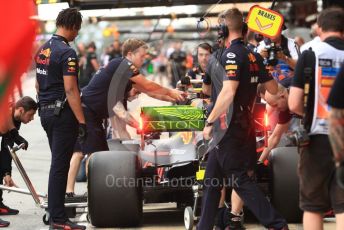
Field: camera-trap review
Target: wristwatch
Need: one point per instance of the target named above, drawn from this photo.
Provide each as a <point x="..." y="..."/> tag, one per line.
<point x="207" y="123"/>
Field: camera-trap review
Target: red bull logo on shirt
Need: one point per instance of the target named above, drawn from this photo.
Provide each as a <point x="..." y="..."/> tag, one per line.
<point x="46" y="52"/>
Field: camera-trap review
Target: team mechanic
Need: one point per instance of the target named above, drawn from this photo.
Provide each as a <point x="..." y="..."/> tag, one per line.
<point x="22" y="112"/>
<point x="57" y="74"/>
<point x="224" y="217"/>
<point x="119" y="122"/>
<point x="319" y="191"/>
<point x="336" y="122"/>
<point x="106" y="88"/>
<point x="284" y="121"/>
<point x="198" y="72"/>
<point x="123" y="117"/>
<point x="232" y="218"/>
<point x="227" y="158"/>
<point x="212" y="82"/>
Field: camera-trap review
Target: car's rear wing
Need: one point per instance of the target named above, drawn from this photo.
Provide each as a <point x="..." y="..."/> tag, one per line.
<point x="171" y="118"/>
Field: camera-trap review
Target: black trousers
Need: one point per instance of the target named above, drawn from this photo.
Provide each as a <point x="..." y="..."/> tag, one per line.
<point x="227" y="165"/>
<point x="62" y="133"/>
<point x="4" y="153"/>
<point x="5" y="162"/>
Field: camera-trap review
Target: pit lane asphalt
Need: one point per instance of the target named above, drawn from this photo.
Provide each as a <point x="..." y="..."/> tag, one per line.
<point x="36" y="161"/>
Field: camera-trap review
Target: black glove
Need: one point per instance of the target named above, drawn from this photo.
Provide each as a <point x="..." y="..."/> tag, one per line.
<point x="82" y="133"/>
<point x="14" y="135"/>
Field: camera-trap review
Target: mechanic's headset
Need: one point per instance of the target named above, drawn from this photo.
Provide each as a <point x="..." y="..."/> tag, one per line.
<point x="223" y="31"/>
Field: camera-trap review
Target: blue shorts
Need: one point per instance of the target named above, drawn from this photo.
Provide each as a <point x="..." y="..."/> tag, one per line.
<point x="96" y="135"/>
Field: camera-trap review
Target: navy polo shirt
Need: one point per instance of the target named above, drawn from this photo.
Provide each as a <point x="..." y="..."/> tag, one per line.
<point x="54" y="60"/>
<point x="237" y="63"/>
<point x="108" y="86"/>
<point x="241" y="64"/>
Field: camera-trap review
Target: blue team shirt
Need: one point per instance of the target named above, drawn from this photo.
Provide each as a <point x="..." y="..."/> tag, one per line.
<point x="108" y="86"/>
<point x="241" y="64"/>
<point x="54" y="60"/>
<point x="237" y="63"/>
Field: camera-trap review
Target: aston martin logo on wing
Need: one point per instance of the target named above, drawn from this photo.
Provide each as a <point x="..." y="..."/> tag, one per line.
<point x="183" y="113"/>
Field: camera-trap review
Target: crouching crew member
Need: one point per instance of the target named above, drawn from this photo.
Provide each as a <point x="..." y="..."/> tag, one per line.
<point x="22" y="112"/>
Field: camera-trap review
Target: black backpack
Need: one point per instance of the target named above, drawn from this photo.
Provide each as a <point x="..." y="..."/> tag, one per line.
<point x="309" y="87"/>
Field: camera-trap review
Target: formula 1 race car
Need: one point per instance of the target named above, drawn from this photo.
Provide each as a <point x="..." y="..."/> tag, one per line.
<point x="155" y="169"/>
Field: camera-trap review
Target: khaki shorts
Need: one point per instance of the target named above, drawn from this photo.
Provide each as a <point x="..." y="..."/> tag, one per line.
<point x="319" y="191"/>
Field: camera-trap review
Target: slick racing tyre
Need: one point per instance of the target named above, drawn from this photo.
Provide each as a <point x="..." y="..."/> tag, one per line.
<point x="285" y="183"/>
<point x="114" y="193"/>
<point x="117" y="145"/>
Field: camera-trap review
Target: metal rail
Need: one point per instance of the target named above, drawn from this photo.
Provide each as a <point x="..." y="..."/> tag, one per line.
<point x="39" y="198"/>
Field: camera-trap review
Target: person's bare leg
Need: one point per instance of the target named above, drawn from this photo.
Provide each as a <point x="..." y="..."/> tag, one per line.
<point x="312" y="221"/>
<point x="237" y="203"/>
<point x="86" y="164"/>
<point x="73" y="171"/>
<point x="339" y="221"/>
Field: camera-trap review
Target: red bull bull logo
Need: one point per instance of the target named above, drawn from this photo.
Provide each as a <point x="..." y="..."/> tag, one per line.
<point x="46" y="52"/>
<point x="44" y="61"/>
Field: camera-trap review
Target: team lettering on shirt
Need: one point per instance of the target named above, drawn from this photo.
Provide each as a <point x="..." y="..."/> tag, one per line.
<point x="231" y="67"/>
<point x="71" y="65"/>
<point x="43" y="58"/>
